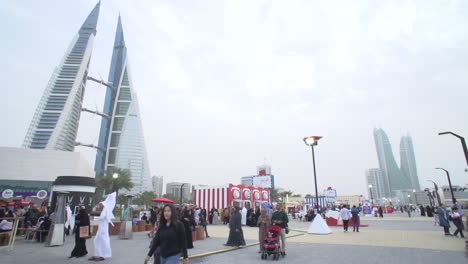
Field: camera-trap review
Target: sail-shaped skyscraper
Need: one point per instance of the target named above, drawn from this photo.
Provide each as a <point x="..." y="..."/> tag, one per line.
<point x="121" y="140"/>
<point x="54" y="125"/>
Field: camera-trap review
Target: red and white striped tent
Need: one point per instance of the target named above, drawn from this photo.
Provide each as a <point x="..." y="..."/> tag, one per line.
<point x="223" y="196"/>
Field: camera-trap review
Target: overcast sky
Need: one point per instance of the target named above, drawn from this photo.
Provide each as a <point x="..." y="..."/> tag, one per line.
<point x="223" y="85"/>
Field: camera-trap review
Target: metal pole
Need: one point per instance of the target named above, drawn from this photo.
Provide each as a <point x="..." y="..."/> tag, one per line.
<point x="315" y="177"/>
<point x="372" y="196"/>
<point x="436" y="188"/>
<point x="450" y="185"/>
<point x="181" y="195"/>
<point x="462" y="139"/>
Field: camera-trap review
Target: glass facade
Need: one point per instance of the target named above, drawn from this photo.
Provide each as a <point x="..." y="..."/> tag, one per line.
<point x="122" y="136"/>
<point x="408" y="162"/>
<point x="55" y="123"/>
<point x="395" y="179"/>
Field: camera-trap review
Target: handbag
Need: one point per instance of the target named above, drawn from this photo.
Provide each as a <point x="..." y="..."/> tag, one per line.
<point x="84" y="232"/>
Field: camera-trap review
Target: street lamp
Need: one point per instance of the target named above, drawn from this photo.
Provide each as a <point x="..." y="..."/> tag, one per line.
<point x="181" y="195"/>
<point x="450" y="184"/>
<point x="311" y="142"/>
<point x="114" y="177"/>
<point x="431" y="199"/>
<point x="436" y="189"/>
<point x="409" y="198"/>
<point x="465" y="151"/>
<point x="372" y="197"/>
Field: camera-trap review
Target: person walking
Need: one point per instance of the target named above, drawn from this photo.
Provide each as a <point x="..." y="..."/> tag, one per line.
<point x="345" y="216"/>
<point x="170" y="238"/>
<point x="102" y="248"/>
<point x="380" y="212"/>
<point x="263" y="224"/>
<point x="187" y="221"/>
<point x="443" y="219"/>
<point x="356" y="219"/>
<point x="81" y="222"/>
<point x="236" y="236"/>
<point x="457" y="221"/>
<point x="204" y="224"/>
<point x="227" y="214"/>
<point x="280" y="218"/>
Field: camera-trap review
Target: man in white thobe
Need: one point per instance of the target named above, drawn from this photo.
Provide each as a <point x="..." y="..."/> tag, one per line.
<point x="244" y="216"/>
<point x="102" y="248"/>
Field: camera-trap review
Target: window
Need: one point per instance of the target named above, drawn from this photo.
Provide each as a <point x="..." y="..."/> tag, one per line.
<point x="118" y="123"/>
<point x="122" y="108"/>
<point x="115" y="138"/>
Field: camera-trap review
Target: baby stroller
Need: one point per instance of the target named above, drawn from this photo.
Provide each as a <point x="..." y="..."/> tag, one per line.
<point x="272" y="244"/>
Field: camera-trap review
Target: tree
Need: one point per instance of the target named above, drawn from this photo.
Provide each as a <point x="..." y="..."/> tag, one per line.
<point x="308" y="195"/>
<point x="274" y="195"/>
<point x="144" y="199"/>
<point x="172" y="197"/>
<point x="107" y="181"/>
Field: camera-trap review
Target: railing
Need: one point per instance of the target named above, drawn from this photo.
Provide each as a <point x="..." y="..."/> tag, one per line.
<point x="14" y="229"/>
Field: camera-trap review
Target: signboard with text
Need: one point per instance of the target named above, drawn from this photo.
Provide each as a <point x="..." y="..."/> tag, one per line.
<point x="262" y="181"/>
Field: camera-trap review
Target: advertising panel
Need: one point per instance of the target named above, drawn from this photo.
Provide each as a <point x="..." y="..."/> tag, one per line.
<point x="262" y="181"/>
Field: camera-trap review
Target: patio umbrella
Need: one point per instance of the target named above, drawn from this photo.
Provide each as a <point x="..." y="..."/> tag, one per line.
<point x="162" y="200"/>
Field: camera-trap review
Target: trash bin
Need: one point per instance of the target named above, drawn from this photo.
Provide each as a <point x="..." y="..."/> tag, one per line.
<point x="200" y="233"/>
<point x="194" y="235"/>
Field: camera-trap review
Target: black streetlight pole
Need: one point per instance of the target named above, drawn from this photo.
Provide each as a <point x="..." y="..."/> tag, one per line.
<point x="462" y="139"/>
<point x="436" y="189"/>
<point x="431" y="199"/>
<point x="315" y="178"/>
<point x="450" y="184"/>
<point x="181" y="195"/>
<point x="312" y="141"/>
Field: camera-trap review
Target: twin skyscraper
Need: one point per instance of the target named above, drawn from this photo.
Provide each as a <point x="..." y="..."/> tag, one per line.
<point x="55" y="123"/>
<point x="389" y="180"/>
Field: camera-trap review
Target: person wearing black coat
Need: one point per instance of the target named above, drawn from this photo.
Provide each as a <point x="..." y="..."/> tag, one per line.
<point x="236" y="236"/>
<point x="189" y="223"/>
<point x="170" y="239"/>
<point x="81" y="219"/>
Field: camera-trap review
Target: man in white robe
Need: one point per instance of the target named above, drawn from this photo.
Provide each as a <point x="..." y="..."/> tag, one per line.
<point x="244" y="216"/>
<point x="102" y="248"/>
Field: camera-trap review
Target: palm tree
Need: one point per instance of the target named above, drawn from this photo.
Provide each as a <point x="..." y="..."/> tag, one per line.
<point x="144" y="199"/>
<point x="108" y="182"/>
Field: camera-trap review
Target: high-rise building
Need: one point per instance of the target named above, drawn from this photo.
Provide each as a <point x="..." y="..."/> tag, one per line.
<point x="54" y="125"/>
<point x="376" y="178"/>
<point x="408" y="162"/>
<point x="157" y="183"/>
<point x="387" y="163"/>
<point x="121" y="136"/>
<point x="174" y="188"/>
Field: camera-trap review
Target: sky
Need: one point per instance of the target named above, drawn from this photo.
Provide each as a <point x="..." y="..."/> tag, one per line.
<point x="225" y="85"/>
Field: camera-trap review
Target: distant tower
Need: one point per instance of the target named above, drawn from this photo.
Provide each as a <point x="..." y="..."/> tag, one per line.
<point x="395" y="179"/>
<point x="54" y="125"/>
<point x="122" y="136"/>
<point x="376" y="178"/>
<point x="408" y="162"/>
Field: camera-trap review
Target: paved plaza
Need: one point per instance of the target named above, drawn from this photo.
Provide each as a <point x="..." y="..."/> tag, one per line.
<point x="393" y="239"/>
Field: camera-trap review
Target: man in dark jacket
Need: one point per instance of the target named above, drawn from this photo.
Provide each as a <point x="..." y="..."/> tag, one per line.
<point x="280" y="218"/>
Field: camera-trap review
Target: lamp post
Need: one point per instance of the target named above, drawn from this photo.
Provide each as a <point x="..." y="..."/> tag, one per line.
<point x="371" y="195"/>
<point x="462" y="139"/>
<point x="450" y="184"/>
<point x="115" y="176"/>
<point x="415" y="196"/>
<point x="181" y="195"/>
<point x="311" y="142"/>
<point x="436" y="189"/>
<point x="409" y="198"/>
<point x="431" y="199"/>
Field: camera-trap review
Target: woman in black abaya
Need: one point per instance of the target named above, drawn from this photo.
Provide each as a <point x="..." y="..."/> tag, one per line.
<point x="81" y="219"/>
<point x="236" y="236"/>
<point x="187" y="220"/>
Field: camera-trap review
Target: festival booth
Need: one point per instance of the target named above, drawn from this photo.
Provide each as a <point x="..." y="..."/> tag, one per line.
<point x="223" y="196"/>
